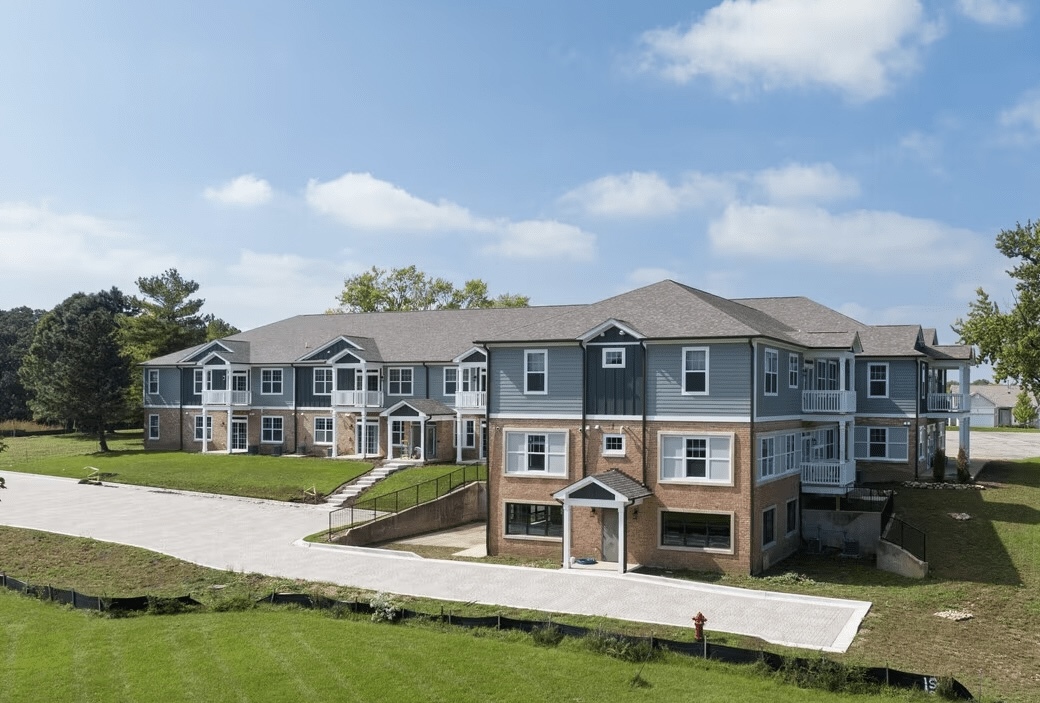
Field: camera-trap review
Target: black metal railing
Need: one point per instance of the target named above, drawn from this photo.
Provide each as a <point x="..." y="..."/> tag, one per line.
<point x="367" y="510"/>
<point x="906" y="536"/>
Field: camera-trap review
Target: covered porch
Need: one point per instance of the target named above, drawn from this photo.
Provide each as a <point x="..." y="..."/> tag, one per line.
<point x="611" y="493"/>
<point x="412" y="426"/>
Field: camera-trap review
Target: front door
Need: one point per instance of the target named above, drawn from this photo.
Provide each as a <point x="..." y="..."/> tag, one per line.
<point x="239" y="435"/>
<point x="430" y="450"/>
<point x="610" y="534"/>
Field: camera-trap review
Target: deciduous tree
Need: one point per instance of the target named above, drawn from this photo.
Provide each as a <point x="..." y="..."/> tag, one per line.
<point x="76" y="369"/>
<point x="1010" y="339"/>
<point x="408" y="288"/>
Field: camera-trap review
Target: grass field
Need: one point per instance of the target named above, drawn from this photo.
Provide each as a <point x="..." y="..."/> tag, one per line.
<point x="276" y="478"/>
<point x="424" y="477"/>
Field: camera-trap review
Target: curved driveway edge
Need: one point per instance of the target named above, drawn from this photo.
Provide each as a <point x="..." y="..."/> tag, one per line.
<point x="250" y="535"/>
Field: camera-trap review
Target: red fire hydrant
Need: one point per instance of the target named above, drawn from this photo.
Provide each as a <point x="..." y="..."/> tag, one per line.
<point x="698" y="626"/>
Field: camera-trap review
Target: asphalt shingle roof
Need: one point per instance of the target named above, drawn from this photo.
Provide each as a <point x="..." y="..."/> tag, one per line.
<point x="623" y="484"/>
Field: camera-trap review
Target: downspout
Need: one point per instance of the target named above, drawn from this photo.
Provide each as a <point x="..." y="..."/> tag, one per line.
<point x="487" y="449"/>
<point x="426" y="379"/>
<point x="917" y="422"/>
<point x="751" y="458"/>
<point x="642" y="343"/>
<point x="364" y="411"/>
<point x="584" y="398"/>
<point x="180" y="396"/>
<point x="295" y="415"/>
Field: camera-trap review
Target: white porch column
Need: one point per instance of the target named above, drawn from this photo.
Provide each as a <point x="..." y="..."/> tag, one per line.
<point x="422" y="439"/>
<point x="335" y="431"/>
<point x="229" y="425"/>
<point x="204" y="442"/>
<point x="964" y="426"/>
<point x="842" y="361"/>
<point x="364" y="412"/>
<point x="622" y="547"/>
<point x="459" y="434"/>
<point x="566" y="534"/>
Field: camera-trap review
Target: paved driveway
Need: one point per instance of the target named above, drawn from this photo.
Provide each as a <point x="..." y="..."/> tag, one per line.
<point x="263" y="537"/>
<point x="996" y="445"/>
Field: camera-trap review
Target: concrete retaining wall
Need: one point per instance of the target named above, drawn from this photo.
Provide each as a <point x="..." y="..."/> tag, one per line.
<point x="899" y="561"/>
<point x="465" y="505"/>
<point x="864" y="527"/>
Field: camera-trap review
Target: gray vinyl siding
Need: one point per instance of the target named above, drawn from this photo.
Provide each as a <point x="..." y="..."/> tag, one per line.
<point x="787" y="401"/>
<point x="285" y="399"/>
<point x="305" y="397"/>
<point x="506" y="382"/>
<point x="902" y="388"/>
<point x="418" y="383"/>
<point x="436" y="385"/>
<point x="729" y="381"/>
<point x="169" y="394"/>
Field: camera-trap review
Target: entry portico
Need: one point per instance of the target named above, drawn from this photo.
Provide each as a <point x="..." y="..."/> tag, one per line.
<point x="608" y="491"/>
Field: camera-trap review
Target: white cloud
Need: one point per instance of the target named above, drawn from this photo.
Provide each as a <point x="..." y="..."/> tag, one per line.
<point x="1001" y="13"/>
<point x="244" y="191"/>
<point x="1022" y="120"/>
<point x="857" y="47"/>
<point x="796" y="183"/>
<point x="877" y="240"/>
<point x="365" y="202"/>
<point x="642" y="194"/>
<point x="646" y="276"/>
<point x="543" y="239"/>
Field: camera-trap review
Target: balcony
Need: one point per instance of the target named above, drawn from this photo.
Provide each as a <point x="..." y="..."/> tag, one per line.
<point x="226" y="397"/>
<point x="831" y="402"/>
<point x="948" y="403"/>
<point x="471" y="399"/>
<point x="357" y="399"/>
<point x="828" y="476"/>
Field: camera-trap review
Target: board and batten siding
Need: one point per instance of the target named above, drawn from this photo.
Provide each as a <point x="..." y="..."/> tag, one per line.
<point x="787" y="401"/>
<point x="506" y="382"/>
<point x="729" y="381"/>
<point x="618" y="390"/>
<point x="169" y="395"/>
<point x="902" y="388"/>
<point x="305" y="397"/>
<point x="188" y="395"/>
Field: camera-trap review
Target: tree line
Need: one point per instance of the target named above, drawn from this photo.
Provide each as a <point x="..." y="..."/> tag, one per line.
<point x="76" y="365"/>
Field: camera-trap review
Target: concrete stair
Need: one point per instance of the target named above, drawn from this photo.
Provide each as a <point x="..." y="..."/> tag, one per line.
<point x="362" y="483"/>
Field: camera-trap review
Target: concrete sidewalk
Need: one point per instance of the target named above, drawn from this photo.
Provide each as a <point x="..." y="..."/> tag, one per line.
<point x="264" y="537"/>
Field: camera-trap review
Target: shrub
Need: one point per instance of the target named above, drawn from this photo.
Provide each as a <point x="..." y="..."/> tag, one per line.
<point x="939" y="466"/>
<point x="619" y="647"/>
<point x="233" y="603"/>
<point x="166" y="606"/>
<point x="963" y="468"/>
<point x="384" y="608"/>
<point x="825" y="674"/>
<point x="546" y="635"/>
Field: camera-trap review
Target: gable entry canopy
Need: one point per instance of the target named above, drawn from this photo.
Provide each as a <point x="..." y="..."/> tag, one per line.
<point x="611" y="490"/>
<point x="420" y="411"/>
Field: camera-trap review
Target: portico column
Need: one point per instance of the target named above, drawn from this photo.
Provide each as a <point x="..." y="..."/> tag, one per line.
<point x="566" y="535"/>
<point x="422" y="439"/>
<point x="458" y="436"/>
<point x="204" y="442"/>
<point x="229" y="423"/>
<point x="621" y="539"/>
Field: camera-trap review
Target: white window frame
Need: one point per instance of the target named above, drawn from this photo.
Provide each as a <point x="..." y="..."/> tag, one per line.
<point x="267" y="434"/>
<point x="455" y="381"/>
<point x="684" y="548"/>
<point x="401" y="382"/>
<point x="771" y="372"/>
<point x="789" y="530"/>
<point x="373" y="432"/>
<point x="870" y="367"/>
<point x="329" y="431"/>
<point x="712" y="465"/>
<point x="328" y="381"/>
<point x="614" y="350"/>
<point x="153" y="427"/>
<point x="198" y="428"/>
<point x="772" y="542"/>
<point x="779" y="455"/>
<point x="517" y="462"/>
<point x="767" y="457"/>
<point x="794" y="370"/>
<point x="269" y="380"/>
<point x="687" y="371"/>
<point x="544" y="372"/>
<point x="152" y="383"/>
<point x="237" y="376"/>
<point x="197" y="381"/>
<point x="614" y="452"/>
<point x="469" y="434"/>
<point x="862" y="442"/>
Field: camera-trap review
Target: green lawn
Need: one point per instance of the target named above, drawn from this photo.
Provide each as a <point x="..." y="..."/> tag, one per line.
<point x="999" y="429"/>
<point x="422" y="477"/>
<point x="291" y="655"/>
<point x="276" y="478"/>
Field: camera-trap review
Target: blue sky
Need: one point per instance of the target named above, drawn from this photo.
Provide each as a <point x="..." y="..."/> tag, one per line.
<point x="862" y="153"/>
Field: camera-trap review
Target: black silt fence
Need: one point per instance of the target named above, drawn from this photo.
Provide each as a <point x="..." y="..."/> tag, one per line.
<point x="82" y="601"/>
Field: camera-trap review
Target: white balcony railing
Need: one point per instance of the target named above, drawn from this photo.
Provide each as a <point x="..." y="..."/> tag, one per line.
<point x="828" y="401"/>
<point x="226" y="397"/>
<point x="358" y="399"/>
<point x="948" y="402"/>
<point x="470" y="399"/>
<point x="829" y="473"/>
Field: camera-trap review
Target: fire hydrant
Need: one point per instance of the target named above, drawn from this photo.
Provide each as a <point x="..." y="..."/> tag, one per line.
<point x="698" y="626"/>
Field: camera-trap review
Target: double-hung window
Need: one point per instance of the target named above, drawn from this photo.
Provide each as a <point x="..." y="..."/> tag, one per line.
<point x="536" y="368"/>
<point x="153" y="427"/>
<point x="877" y="380"/>
<point x="271" y="381"/>
<point x="198" y="428"/>
<point x="323" y="430"/>
<point x="451" y="380"/>
<point x="536" y="453"/>
<point x="695" y="371"/>
<point x="696" y="459"/>
<point x="792" y="370"/>
<point x="772" y="372"/>
<point x="769" y="526"/>
<point x="197" y="387"/>
<point x="153" y="381"/>
<point x="271" y="429"/>
<point x="399" y="381"/>
<point x="469" y="434"/>
<point x="767" y="457"/>
<point x="322" y="381"/>
<point x="881" y="443"/>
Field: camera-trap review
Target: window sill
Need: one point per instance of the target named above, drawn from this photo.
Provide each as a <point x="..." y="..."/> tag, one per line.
<point x="701" y="550"/>
<point x="534" y="474"/>
<point x="534" y="538"/>
<point x="614" y="454"/>
<point x="692" y="482"/>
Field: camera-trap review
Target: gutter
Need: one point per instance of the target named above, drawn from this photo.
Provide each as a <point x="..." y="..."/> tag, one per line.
<point x="584" y="409"/>
<point x="490" y="436"/>
<point x="642" y="343"/>
<point x="751" y="460"/>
